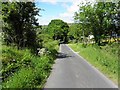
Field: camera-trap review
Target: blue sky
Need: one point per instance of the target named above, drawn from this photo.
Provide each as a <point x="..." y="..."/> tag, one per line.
<point x="57" y="9"/>
<point x="53" y="11"/>
<point x="50" y="9"/>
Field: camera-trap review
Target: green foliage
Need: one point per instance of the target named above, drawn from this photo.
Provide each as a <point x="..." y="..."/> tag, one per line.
<point x="75" y="32"/>
<point x="22" y="69"/>
<point x="58" y="30"/>
<point x="98" y="19"/>
<point x="13" y="60"/>
<point x="52" y="47"/>
<point x="31" y="77"/>
<point x="19" y="18"/>
<point x="105" y="58"/>
<point x="23" y="79"/>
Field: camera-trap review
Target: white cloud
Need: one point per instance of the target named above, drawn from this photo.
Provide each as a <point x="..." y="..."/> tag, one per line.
<point x="44" y="21"/>
<point x="65" y="5"/>
<point x="55" y="1"/>
<point x="70" y="10"/>
<point x="48" y="1"/>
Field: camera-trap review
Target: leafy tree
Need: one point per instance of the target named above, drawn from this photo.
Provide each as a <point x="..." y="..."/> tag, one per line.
<point x="84" y="17"/>
<point x="97" y="19"/>
<point x="117" y="18"/>
<point x="58" y="30"/>
<point x="75" y="32"/>
<point x="19" y="22"/>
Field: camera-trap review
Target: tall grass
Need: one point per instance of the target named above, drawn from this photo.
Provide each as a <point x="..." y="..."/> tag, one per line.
<point x="22" y="69"/>
<point x="104" y="58"/>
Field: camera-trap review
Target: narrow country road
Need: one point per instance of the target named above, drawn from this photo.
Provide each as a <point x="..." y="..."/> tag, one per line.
<point x="72" y="71"/>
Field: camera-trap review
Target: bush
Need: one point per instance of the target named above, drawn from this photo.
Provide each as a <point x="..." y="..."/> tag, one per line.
<point x="22" y="79"/>
<point x="13" y="60"/>
<point x="22" y="69"/>
<point x="30" y="77"/>
<point x="52" y="48"/>
<point x="84" y="45"/>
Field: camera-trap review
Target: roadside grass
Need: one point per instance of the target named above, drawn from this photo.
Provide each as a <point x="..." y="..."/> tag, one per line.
<point x="23" y="69"/>
<point x="30" y="77"/>
<point x="104" y="58"/>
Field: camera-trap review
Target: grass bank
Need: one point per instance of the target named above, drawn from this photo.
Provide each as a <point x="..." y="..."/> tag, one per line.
<point x="104" y="58"/>
<point x="23" y="69"/>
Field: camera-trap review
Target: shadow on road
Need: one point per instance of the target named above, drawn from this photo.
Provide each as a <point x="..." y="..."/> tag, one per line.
<point x="62" y="55"/>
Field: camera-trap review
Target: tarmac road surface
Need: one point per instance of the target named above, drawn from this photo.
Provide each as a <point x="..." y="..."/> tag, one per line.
<point x="72" y="71"/>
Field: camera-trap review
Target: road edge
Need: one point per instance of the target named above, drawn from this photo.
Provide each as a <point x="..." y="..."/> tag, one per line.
<point x="105" y="77"/>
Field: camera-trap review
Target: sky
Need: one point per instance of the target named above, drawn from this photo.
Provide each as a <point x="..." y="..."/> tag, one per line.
<point x="57" y="9"/>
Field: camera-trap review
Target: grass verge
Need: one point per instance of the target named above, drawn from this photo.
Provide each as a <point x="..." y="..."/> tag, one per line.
<point x="104" y="58"/>
<point x="23" y="69"/>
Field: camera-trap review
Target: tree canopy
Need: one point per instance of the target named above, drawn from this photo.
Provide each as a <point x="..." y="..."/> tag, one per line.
<point x="58" y="29"/>
<point x="19" y="22"/>
<point x="98" y="19"/>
